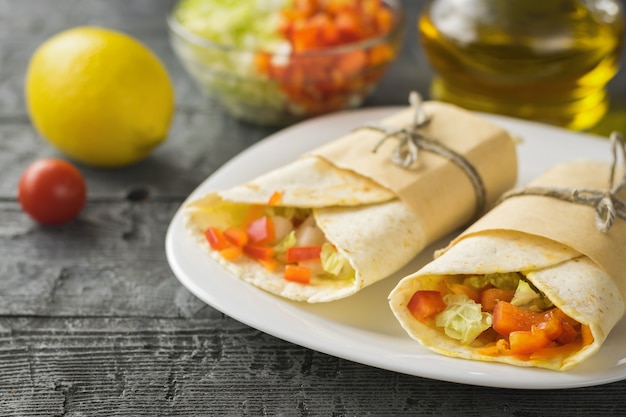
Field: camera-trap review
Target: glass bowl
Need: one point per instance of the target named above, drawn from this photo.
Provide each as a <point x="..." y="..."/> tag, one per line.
<point x="282" y="87"/>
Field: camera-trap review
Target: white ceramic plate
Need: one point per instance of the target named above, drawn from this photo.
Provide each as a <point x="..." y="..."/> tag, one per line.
<point x="362" y="328"/>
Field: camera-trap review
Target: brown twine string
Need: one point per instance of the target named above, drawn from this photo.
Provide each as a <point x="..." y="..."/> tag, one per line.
<point x="606" y="203"/>
<point x="412" y="141"/>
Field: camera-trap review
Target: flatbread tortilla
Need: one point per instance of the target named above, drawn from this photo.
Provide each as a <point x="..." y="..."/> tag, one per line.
<point x="377" y="228"/>
<point x="554" y="244"/>
<point x="570" y="280"/>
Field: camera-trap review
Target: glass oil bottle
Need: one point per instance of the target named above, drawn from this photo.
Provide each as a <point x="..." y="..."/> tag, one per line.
<point x="544" y="60"/>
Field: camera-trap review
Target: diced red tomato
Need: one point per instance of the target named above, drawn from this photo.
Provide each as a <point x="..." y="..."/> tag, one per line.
<point x="302" y="253"/>
<point x="508" y="318"/>
<point x="261" y="231"/>
<point x="259" y="252"/>
<point x="551" y="323"/>
<point x="236" y="235"/>
<point x="568" y="333"/>
<point x="527" y="330"/>
<point x="490" y="297"/>
<point x="425" y="304"/>
<point x="525" y="342"/>
<point x="352" y="63"/>
<point x="297" y="273"/>
<point x="326" y="83"/>
<point x="470" y="292"/>
<point x="216" y="238"/>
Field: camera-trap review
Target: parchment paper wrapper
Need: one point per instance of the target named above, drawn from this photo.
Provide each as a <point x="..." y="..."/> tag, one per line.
<point x="554" y="243"/>
<point x="377" y="214"/>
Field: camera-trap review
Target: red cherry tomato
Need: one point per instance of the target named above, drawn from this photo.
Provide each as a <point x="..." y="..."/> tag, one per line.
<point x="52" y="191"/>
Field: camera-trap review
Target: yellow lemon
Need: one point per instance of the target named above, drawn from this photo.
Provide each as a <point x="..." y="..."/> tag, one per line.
<point x="99" y="96"/>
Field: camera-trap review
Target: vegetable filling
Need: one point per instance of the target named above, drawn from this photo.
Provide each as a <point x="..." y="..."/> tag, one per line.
<point x="499" y="314"/>
<point x="283" y="239"/>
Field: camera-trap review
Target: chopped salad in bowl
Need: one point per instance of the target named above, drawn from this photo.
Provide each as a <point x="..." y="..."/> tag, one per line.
<point x="276" y="62"/>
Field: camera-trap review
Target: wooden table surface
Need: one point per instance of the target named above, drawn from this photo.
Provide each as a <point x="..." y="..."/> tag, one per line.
<point x="94" y="323"/>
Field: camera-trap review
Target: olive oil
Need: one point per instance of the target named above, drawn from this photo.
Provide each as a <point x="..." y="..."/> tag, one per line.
<point x="545" y="60"/>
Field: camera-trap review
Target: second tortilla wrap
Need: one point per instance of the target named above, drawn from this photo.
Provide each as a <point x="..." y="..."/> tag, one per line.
<point x="552" y="244"/>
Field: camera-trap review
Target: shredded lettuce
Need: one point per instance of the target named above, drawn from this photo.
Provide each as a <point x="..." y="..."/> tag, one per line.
<point x="287" y="242"/>
<point x="229" y="71"/>
<point x="530" y="299"/>
<point x="247" y="24"/>
<point x="462" y="318"/>
<point x="335" y="263"/>
<point x="505" y="281"/>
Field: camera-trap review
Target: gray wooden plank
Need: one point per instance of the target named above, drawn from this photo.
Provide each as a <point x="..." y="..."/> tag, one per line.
<point x="111" y="263"/>
<point x="216" y="366"/>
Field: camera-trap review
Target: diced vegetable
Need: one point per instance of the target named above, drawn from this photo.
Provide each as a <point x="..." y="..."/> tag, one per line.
<point x="335" y="263"/>
<point x="282" y="227"/>
<point x="268" y="236"/>
<point x="308" y="234"/>
<point x="297" y="273"/>
<point x="259" y="252"/>
<point x="462" y="319"/>
<point x="275" y="198"/>
<point x="425" y="304"/>
<point x="551" y="322"/>
<point x="239" y="24"/>
<point x="303" y="253"/>
<point x="490" y="297"/>
<point x="470" y="292"/>
<point x="508" y="318"/>
<point x="568" y="333"/>
<point x="527" y="297"/>
<point x="315" y="266"/>
<point x="231" y="253"/>
<point x="267" y="65"/>
<point x="319" y="83"/>
<point x="481" y="308"/>
<point x="216" y="238"/>
<point x="261" y="231"/>
<point x="271" y="264"/>
<point x="285" y="243"/>
<point x="236" y="235"/>
<point x="529" y="341"/>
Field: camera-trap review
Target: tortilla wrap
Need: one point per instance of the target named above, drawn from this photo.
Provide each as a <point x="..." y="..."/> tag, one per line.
<point x="557" y="247"/>
<point x="376" y="214"/>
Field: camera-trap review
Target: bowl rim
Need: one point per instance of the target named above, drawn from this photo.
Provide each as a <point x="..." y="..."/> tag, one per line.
<point x="181" y="31"/>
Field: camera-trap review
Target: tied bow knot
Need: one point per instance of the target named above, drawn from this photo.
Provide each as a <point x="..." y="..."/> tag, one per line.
<point x="606" y="203"/>
<point x="406" y="153"/>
